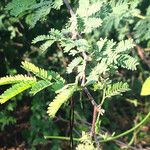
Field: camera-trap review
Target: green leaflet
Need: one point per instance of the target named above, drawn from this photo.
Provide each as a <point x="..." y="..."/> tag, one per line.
<point x="57" y="4"/>
<point x="44" y="74"/>
<point x="99" y="69"/>
<point x="54" y="36"/>
<point x="115" y="54"/>
<point x="46" y="45"/>
<point x="87" y="15"/>
<point x="126" y="61"/>
<point x="15" y="79"/>
<point x="39" y="86"/>
<point x="16" y="7"/>
<point x="38" y="14"/>
<point x="124" y="45"/>
<point x="61" y="98"/>
<point x="15" y="90"/>
<point x="36" y="70"/>
<point x="92" y="23"/>
<point x="146" y="88"/>
<point x="58" y="81"/>
<point x="40" y="38"/>
<point x="75" y="62"/>
<point x="56" y="76"/>
<point x="116" y="89"/>
<point x="67" y="44"/>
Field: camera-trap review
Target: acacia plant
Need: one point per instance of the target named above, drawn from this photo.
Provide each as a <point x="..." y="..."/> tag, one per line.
<point x="94" y="59"/>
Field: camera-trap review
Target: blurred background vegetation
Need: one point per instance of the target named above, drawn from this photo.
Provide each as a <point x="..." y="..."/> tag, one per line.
<point x="23" y="120"/>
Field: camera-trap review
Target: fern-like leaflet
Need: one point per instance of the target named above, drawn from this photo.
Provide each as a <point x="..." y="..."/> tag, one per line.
<point x="15" y="90"/>
<point x="126" y="61"/>
<point x="116" y="89"/>
<point x="74" y="64"/>
<point x="15" y="79"/>
<point x="58" y="81"/>
<point x="61" y="98"/>
<point x="39" y="86"/>
<point x="36" y="70"/>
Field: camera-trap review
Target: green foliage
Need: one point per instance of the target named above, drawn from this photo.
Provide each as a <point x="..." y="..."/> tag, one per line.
<point x="54" y="35"/>
<point x="115" y="55"/>
<point x="16" y="79"/>
<point x="116" y="89"/>
<point x="61" y="98"/>
<point x="34" y="10"/>
<point x="119" y="16"/>
<point x="109" y="55"/>
<point x="86" y="16"/>
<point x="86" y="143"/>
<point x="15" y="89"/>
<point x="41" y="73"/>
<point x="6" y="116"/>
<point x="73" y="64"/>
<point x="146" y="87"/>
<point x="142" y="31"/>
<point x="40" y="123"/>
<point x="23" y="83"/>
<point x="39" y="86"/>
<point x="36" y="70"/>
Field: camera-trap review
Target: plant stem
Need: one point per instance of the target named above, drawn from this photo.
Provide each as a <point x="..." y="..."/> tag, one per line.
<point x="128" y="131"/>
<point x="71" y="122"/>
<point x="103" y="99"/>
<point x="107" y="140"/>
<point x="61" y="138"/>
<point x="139" y="16"/>
<point x="90" y="97"/>
<point x="94" y="121"/>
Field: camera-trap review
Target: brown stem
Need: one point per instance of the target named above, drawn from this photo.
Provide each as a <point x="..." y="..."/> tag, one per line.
<point x="94" y="121"/>
<point x="90" y="97"/>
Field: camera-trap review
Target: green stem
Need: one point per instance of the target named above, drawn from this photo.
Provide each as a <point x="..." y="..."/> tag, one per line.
<point x="128" y="131"/>
<point x="139" y="16"/>
<point x="107" y="140"/>
<point x="103" y="99"/>
<point x="61" y="138"/>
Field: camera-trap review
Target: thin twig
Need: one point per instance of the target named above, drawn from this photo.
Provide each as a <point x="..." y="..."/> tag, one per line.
<point x="93" y="121"/>
<point x="84" y="67"/>
<point x="90" y="97"/>
<point x="71" y="122"/>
